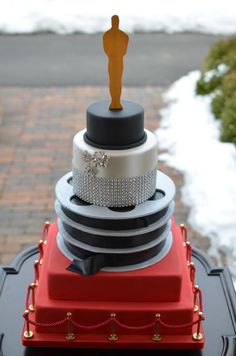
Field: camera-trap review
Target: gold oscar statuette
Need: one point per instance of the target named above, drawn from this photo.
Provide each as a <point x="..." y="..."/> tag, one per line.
<point x="115" y="43"/>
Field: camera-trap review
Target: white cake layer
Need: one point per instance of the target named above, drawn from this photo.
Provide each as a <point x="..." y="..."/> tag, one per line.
<point x="128" y="163"/>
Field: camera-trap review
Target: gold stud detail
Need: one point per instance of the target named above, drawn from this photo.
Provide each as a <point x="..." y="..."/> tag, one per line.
<point x="156" y="336"/>
<point x="183" y="233"/>
<point x="113" y="337"/>
<point x="195" y="308"/>
<point x="28" y="334"/>
<point x="36" y="272"/>
<point x="198" y="335"/>
<point x="32" y="306"/>
<point x="188" y="253"/>
<point x="40" y="245"/>
<point x="70" y="335"/>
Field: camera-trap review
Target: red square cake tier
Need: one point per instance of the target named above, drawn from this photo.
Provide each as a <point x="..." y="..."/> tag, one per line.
<point x="159" y="282"/>
<point x="135" y="320"/>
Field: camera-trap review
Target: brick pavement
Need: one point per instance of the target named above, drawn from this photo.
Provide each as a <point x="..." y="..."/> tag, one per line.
<point x="36" y="130"/>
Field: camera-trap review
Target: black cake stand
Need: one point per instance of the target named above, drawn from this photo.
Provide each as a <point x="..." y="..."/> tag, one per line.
<point x="219" y="308"/>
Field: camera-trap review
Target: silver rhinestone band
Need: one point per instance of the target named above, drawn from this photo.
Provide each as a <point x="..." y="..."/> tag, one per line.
<point x="114" y="192"/>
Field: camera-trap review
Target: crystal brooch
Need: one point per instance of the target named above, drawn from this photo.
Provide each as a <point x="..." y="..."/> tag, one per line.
<point x="98" y="159"/>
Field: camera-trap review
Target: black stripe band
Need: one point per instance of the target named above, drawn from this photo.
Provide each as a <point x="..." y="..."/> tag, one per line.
<point x="111" y="224"/>
<point x="113" y="241"/>
<point x="91" y="263"/>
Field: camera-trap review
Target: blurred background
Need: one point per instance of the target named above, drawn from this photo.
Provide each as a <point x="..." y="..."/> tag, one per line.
<point x="180" y="66"/>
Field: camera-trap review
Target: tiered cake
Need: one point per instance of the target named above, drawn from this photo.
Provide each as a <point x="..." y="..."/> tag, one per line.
<point x="115" y="270"/>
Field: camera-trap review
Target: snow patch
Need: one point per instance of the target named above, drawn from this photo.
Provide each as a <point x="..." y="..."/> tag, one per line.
<point x="69" y="16"/>
<point x="190" y="134"/>
<point x="218" y="72"/>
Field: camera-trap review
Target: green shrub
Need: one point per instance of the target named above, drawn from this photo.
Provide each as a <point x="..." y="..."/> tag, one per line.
<point x="229" y="120"/>
<point x="217" y="105"/>
<point x="218" y="78"/>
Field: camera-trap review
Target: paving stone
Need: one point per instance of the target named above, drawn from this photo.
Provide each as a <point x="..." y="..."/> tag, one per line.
<point x="36" y="130"/>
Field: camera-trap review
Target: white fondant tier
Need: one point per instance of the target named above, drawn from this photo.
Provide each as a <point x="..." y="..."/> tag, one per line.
<point x="114" y="178"/>
<point x="132" y="162"/>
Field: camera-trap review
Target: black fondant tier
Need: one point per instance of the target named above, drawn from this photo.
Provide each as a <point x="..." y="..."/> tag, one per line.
<point x="90" y="263"/>
<point x="115" y="129"/>
<point x="115" y="224"/>
<point x="113" y="241"/>
<point x="99" y="237"/>
<point x="89" y="259"/>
